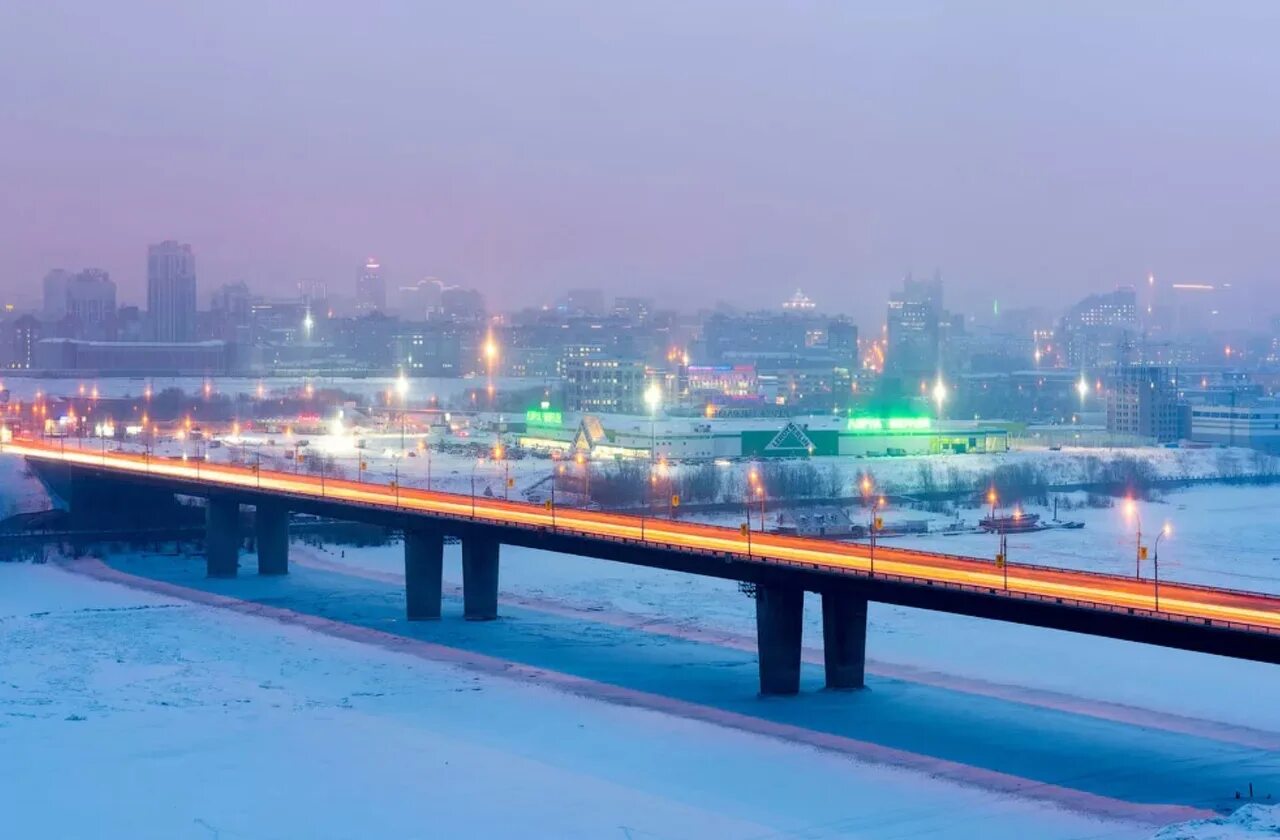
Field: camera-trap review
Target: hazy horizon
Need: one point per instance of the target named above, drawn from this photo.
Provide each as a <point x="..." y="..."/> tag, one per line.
<point x="690" y="152"/>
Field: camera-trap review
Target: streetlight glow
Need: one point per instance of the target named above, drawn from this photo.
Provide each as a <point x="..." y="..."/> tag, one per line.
<point x="653" y="396"/>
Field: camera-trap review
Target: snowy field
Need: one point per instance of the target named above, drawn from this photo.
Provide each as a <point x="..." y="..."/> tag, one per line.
<point x="127" y="714"/>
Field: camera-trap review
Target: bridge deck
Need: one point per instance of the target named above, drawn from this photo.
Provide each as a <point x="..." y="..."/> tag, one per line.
<point x="1179" y="603"/>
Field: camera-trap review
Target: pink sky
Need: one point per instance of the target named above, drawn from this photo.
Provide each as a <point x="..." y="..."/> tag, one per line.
<point x="697" y="151"/>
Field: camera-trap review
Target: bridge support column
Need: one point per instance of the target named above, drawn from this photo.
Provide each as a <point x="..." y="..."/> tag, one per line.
<point x="479" y="578"/>
<point x="423" y="572"/>
<point x="844" y="639"/>
<point x="779" y="624"/>
<point x="222" y="536"/>
<point x="271" y="527"/>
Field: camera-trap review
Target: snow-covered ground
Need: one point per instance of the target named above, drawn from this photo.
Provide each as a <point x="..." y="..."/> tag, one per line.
<point x="124" y="713"/>
<point x="1218" y="535"/>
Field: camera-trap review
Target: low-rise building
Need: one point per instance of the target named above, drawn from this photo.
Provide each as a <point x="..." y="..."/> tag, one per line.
<point x="1256" y="426"/>
<point x="702" y="439"/>
<point x="133" y="358"/>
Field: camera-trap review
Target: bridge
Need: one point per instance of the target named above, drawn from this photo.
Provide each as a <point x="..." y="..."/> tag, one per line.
<point x="1225" y="622"/>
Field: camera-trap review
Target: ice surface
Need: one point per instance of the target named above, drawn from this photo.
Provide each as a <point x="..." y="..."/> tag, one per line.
<point x="129" y="714"/>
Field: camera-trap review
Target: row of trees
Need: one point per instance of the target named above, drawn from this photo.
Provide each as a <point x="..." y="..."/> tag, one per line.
<point x="635" y="484"/>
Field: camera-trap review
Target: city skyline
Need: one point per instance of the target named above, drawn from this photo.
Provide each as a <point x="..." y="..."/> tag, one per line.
<point x="556" y="154"/>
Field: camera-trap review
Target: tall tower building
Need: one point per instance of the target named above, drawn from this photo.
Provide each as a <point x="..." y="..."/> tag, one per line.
<point x="55" y="294"/>
<point x="171" y="291"/>
<point x="371" y="289"/>
<point x="914" y="336"/>
<point x="91" y="301"/>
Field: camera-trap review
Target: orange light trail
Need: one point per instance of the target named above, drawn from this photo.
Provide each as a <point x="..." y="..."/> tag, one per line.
<point x="1183" y="602"/>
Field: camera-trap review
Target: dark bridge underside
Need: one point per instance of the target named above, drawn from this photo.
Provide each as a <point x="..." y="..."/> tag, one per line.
<point x="149" y="492"/>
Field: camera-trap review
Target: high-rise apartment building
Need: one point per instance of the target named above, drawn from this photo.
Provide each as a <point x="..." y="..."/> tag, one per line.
<point x="171" y="291"/>
<point x="914" y="319"/>
<point x="1099" y="330"/>
<point x="315" y="294"/>
<point x="80" y="304"/>
<point x="371" y="288"/>
<point x="1143" y="401"/>
<point x="419" y="300"/>
<point x="614" y="386"/>
<point x="91" y="304"/>
<point x="18" y="341"/>
<point x="462" y="304"/>
<point x="55" y="294"/>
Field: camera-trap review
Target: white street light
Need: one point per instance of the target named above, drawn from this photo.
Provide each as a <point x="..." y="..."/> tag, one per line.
<point x="402" y="389"/>
<point x="653" y="396"/>
<point x="939" y="393"/>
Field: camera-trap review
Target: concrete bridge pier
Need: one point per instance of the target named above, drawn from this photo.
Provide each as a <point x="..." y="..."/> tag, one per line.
<point x="271" y="527"/>
<point x="222" y="536"/>
<point x="423" y="572"/>
<point x="479" y="578"/>
<point x="844" y="639"/>
<point x="779" y="625"/>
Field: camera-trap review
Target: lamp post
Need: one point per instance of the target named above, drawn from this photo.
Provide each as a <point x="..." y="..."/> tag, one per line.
<point x="500" y="454"/>
<point x="866" y="486"/>
<point x="1155" y="559"/>
<point x="1002" y="550"/>
<point x="1131" y="509"/>
<point x="474" y="467"/>
<point x="557" y="470"/>
<point x="939" y="394"/>
<point x="582" y="461"/>
<point x="490" y="356"/>
<point x="402" y="389"/>
<point x="426" y="450"/>
<point x="755" y="487"/>
<point x="652" y="401"/>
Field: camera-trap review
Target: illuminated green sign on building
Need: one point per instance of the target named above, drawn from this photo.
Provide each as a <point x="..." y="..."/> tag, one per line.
<point x="543" y="417"/>
<point x="888" y="425"/>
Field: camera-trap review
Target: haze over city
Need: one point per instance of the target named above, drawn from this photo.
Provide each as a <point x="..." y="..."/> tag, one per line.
<point x="712" y="151"/>
<point x="823" y="419"/>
